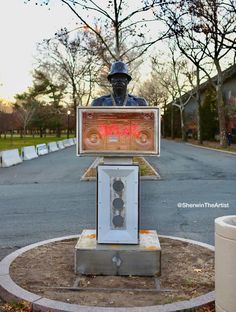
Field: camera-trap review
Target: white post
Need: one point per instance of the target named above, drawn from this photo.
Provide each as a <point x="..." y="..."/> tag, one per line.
<point x="225" y="263"/>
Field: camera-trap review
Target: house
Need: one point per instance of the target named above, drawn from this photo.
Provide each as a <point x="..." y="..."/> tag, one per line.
<point x="229" y="94"/>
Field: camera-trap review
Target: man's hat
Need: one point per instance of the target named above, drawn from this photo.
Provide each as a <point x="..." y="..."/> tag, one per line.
<point x="119" y="67"/>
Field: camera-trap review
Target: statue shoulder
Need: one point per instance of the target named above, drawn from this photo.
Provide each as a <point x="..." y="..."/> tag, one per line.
<point x="138" y="100"/>
<point x="104" y="100"/>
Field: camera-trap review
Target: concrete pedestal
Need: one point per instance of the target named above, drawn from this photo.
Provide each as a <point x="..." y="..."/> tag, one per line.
<point x="143" y="259"/>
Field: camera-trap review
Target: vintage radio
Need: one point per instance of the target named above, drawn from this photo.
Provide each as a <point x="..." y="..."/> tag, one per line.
<point x="123" y="131"/>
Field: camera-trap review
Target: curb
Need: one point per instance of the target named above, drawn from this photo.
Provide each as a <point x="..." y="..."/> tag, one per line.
<point x="145" y="178"/>
<point x="10" y="291"/>
<point x="157" y="175"/>
<point x="98" y="160"/>
<point x="211" y="148"/>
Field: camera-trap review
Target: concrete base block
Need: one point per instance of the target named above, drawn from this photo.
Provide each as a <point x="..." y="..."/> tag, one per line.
<point x="143" y="259"/>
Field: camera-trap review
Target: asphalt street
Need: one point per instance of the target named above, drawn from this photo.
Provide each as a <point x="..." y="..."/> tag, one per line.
<point x="44" y="198"/>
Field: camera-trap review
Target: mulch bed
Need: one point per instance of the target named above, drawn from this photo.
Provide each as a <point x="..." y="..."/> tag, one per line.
<point x="187" y="272"/>
<point x="146" y="170"/>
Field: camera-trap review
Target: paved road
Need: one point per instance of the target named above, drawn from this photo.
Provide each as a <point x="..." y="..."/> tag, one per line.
<point x="44" y="198"/>
<point x="194" y="176"/>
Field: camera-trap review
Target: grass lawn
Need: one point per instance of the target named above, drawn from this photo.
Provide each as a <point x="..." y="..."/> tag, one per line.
<point x="17" y="142"/>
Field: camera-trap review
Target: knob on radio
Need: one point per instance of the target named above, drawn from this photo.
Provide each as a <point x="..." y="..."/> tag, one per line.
<point x="92" y="138"/>
<point x="144" y="138"/>
<point x="118" y="204"/>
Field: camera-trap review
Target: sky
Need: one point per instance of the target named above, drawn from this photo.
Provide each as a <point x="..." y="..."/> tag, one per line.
<point x="22" y="25"/>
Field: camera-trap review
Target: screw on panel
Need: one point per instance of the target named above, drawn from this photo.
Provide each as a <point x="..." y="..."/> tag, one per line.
<point x="117" y="261"/>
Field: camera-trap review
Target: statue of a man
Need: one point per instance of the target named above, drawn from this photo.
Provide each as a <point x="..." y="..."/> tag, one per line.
<point x="119" y="79"/>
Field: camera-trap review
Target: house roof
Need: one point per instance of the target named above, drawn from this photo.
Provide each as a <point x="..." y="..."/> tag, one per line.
<point x="228" y="73"/>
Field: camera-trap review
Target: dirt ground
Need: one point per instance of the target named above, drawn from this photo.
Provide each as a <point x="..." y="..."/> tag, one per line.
<point x="187" y="272"/>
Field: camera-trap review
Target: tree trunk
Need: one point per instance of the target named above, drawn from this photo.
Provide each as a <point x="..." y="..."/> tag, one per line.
<point x="199" y="132"/>
<point x="75" y="114"/>
<point x="163" y="126"/>
<point x="24" y="131"/>
<point x="183" y="134"/>
<point x="90" y="88"/>
<point x="164" y="120"/>
<point x="58" y="132"/>
<point x="116" y="26"/>
<point x="220" y="106"/>
<point x="74" y="98"/>
<point x="172" y="123"/>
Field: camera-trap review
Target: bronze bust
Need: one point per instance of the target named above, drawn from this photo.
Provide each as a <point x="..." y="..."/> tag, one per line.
<point x="119" y="79"/>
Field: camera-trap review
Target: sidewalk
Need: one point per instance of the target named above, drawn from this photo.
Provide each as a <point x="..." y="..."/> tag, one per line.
<point x="207" y="144"/>
<point x="213" y="145"/>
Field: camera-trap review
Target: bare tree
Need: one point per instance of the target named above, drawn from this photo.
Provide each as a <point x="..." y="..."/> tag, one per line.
<point x="173" y="76"/>
<point x="24" y="109"/>
<point x="156" y="95"/>
<point x="153" y="91"/>
<point x="184" y="37"/>
<point x="129" y="24"/>
<point x="66" y="58"/>
<point x="178" y="66"/>
<point x="212" y="24"/>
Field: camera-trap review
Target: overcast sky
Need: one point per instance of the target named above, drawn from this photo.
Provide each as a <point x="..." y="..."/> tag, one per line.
<point x="21" y="27"/>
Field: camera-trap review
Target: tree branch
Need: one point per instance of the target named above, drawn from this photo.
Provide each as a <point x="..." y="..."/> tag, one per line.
<point x="90" y="27"/>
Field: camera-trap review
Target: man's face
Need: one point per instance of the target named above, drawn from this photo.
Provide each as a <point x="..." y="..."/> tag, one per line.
<point x="119" y="82"/>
